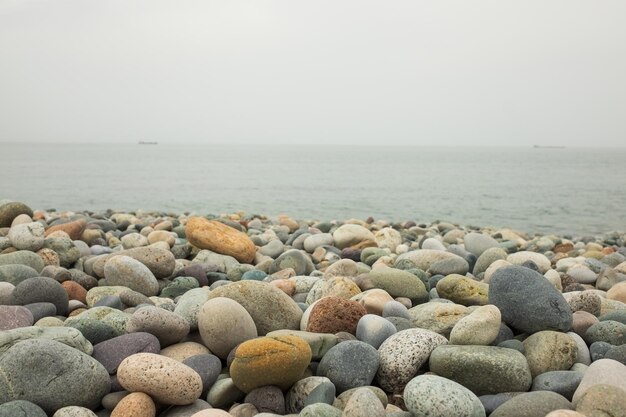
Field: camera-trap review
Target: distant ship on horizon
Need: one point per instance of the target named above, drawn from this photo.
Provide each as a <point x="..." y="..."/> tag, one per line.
<point x="144" y="142"/>
<point x="549" y="146"/>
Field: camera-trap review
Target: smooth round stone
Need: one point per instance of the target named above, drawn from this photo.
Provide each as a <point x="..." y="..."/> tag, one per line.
<point x="66" y="335"/>
<point x="112" y="352"/>
<point x="183" y="350"/>
<point x="602" y="371"/>
<point x="28" y="236"/>
<point x="512" y="344"/>
<point x="617" y="353"/>
<point x="41" y="310"/>
<point x="9" y="210"/>
<point x="65" y="249"/>
<point x="603" y="400"/>
<point x="69" y="376"/>
<point x="425" y="258"/>
<point x="319" y="343"/>
<point x="128" y="272"/>
<point x="349" y="364"/>
<point x="478" y="243"/>
<point x="343" y="398"/>
<point x="482" y="369"/>
<point x="374" y="330"/>
<point x="162" y="236"/>
<point x="438" y="317"/>
<point x="550" y="351"/>
<point x="581" y="321"/>
<point x="582" y="274"/>
<point x="402" y="354"/>
<point x="398" y="283"/>
<point x="320" y="239"/>
<point x="434" y="396"/>
<point x="609" y="331"/>
<point x="335" y="286"/>
<point x="583" y="355"/>
<point x="342" y="268"/>
<point x="112" y="301"/>
<point x="617" y="292"/>
<point x="564" y="413"/>
<point x="207" y="366"/>
<point x="586" y="301"/>
<point x="311" y="390"/>
<point x="74" y="411"/>
<point x="41" y="289"/>
<point x="480" y="327"/>
<point x="598" y="350"/>
<point x="463" y="290"/>
<point x="224" y="393"/>
<point x="519" y="258"/>
<point x="189" y="304"/>
<point x="432" y="243"/>
<point x="449" y="266"/>
<point x="161" y="262"/>
<point x="493" y="401"/>
<point x="393" y="308"/>
<point x="135" y="404"/>
<point x="298" y="260"/>
<point x="273" y="248"/>
<point x="134" y="240"/>
<point x="75" y="291"/>
<point x="267" y="399"/>
<point x="218" y="237"/>
<point x="527" y="301"/>
<point x="223" y="324"/>
<point x="319" y="410"/>
<point x="13" y="317"/>
<point x="532" y="404"/>
<point x="373" y="300"/>
<point x="562" y="382"/>
<point x="23" y="257"/>
<point x="334" y="315"/>
<point x="21" y="408"/>
<point x="270" y="308"/>
<point x="166" y="380"/>
<point x="487" y="258"/>
<point x="16" y="273"/>
<point x="388" y="238"/>
<point x="278" y="360"/>
<point x="364" y="403"/>
<point x="351" y="234"/>
<point x="168" y="327"/>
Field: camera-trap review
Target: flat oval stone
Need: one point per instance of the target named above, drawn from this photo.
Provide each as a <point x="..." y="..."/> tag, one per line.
<point x="207" y="366"/>
<point x="425" y="258"/>
<point x="16" y="273"/>
<point x="349" y="365"/>
<point x="351" y="234"/>
<point x="603" y="400"/>
<point x="128" y="272"/>
<point x="112" y="352"/>
<point x="136" y="404"/>
<point x="40" y="289"/>
<point x="69" y="376"/>
<point x="10" y="210"/>
<point x="609" y="331"/>
<point x="527" y="300"/>
<point x="437" y="317"/>
<point x="223" y="324"/>
<point x="279" y="360"/>
<point x="374" y="330"/>
<point x="403" y="354"/>
<point x="532" y="404"/>
<point x="218" y="237"/>
<point x="166" y="380"/>
<point x="434" y="396"/>
<point x="463" y="290"/>
<point x="398" y="283"/>
<point x="562" y="382"/>
<point x="23" y="257"/>
<point x="270" y="308"/>
<point x="168" y="327"/>
<point x="519" y="258"/>
<point x="482" y="369"/>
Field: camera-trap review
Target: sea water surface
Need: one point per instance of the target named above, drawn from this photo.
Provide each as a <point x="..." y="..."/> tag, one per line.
<point x="570" y="191"/>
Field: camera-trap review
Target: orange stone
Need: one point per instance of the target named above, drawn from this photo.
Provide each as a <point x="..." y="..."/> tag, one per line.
<point x="75" y="291"/>
<point x="135" y="404"/>
<point x="73" y="229"/>
<point x="334" y="315"/>
<point x="220" y="238"/>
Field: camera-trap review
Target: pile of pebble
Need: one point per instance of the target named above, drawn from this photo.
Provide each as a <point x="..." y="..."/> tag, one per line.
<point x="148" y="314"/>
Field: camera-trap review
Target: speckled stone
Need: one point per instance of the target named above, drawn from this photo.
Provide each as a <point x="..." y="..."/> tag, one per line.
<point x="603" y="400"/>
<point x="279" y="360"/>
<point x="98" y="324"/>
<point x="364" y="403"/>
<point x="168" y="327"/>
<point x="434" y="396"/>
<point x="402" y="354"/>
<point x="609" y="331"/>
<point x="550" y="351"/>
<point x="437" y="317"/>
<point x="602" y="371"/>
<point x="482" y="369"/>
<point x="311" y="390"/>
<point x="586" y="301"/>
<point x="334" y="314"/>
<point x="207" y="366"/>
<point x="27" y="236"/>
<point x="13" y="317"/>
<point x="463" y="290"/>
<point x="398" y="283"/>
<point x="21" y="408"/>
<point x="480" y="327"/>
<point x="65" y="372"/>
<point x="319" y="343"/>
<point x="128" y="272"/>
<point x="224" y="393"/>
<point x="166" y="380"/>
<point x="22" y="257"/>
<point x="74" y="411"/>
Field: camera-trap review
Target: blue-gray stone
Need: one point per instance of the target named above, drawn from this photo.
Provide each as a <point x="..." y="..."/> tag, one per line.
<point x="561" y="382"/>
<point x="349" y="365"/>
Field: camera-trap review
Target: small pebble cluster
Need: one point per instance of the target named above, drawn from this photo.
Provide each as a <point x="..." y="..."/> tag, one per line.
<point x="149" y="314"/>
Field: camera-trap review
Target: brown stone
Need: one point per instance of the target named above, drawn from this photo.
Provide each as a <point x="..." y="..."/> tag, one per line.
<point x="73" y="229"/>
<point x="581" y="321"/>
<point x="270" y="360"/>
<point x="286" y="286"/>
<point x="75" y="291"/>
<point x="563" y="248"/>
<point x="217" y="237"/>
<point x="49" y="257"/>
<point x="135" y="404"/>
<point x="334" y="315"/>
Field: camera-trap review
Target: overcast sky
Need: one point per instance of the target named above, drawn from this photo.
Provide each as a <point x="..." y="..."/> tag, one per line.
<point x="288" y="71"/>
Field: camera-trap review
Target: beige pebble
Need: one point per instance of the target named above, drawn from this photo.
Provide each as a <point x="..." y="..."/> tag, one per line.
<point x="136" y="404"/>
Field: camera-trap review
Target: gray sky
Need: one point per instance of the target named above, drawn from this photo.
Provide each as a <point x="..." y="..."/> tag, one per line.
<point x="288" y="71"/>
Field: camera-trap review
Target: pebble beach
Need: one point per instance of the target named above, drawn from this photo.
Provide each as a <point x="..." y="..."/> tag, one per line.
<point x="146" y="314"/>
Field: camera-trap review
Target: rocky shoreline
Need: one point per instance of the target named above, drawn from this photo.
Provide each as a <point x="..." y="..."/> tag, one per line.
<point x="178" y="315"/>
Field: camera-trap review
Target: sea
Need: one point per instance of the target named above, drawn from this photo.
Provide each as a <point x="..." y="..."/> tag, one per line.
<point x="566" y="191"/>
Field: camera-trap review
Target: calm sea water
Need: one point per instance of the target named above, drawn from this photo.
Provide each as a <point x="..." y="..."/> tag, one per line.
<point x="569" y="191"/>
